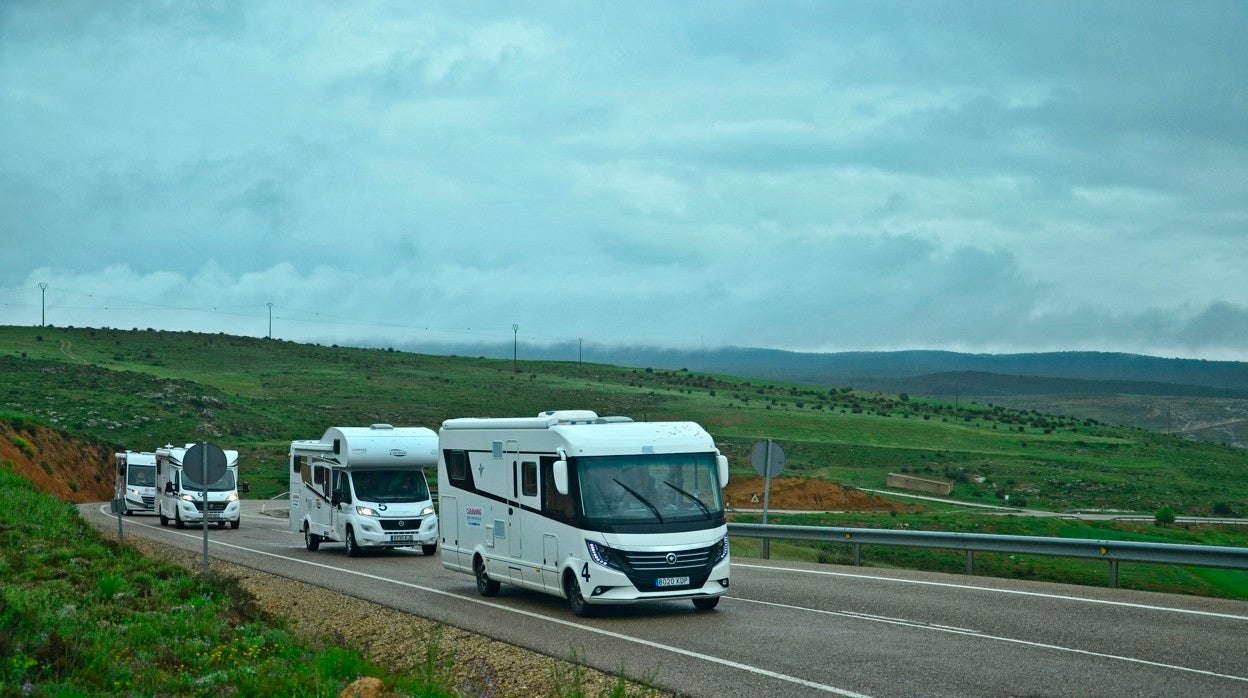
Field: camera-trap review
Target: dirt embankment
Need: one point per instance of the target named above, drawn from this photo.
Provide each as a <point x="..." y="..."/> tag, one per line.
<point x="71" y="470"/>
<point x="795" y="493"/>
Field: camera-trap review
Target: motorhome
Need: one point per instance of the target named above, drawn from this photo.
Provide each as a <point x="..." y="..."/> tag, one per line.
<point x="180" y="496"/>
<point x="365" y="487"/>
<point x="597" y="510"/>
<point x="135" y="484"/>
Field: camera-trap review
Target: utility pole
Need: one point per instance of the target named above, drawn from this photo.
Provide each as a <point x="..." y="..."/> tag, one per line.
<point x="43" y="294"/>
<point x="579" y="342"/>
<point x="515" y="344"/>
<point x="270" y="320"/>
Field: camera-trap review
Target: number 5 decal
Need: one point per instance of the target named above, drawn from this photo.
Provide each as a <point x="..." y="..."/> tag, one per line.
<point x="585" y="571"/>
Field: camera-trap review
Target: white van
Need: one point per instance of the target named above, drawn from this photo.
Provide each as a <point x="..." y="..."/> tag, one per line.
<point x="180" y="497"/>
<point x="594" y="510"/>
<point x="365" y="487"/>
<point x="135" y="484"/>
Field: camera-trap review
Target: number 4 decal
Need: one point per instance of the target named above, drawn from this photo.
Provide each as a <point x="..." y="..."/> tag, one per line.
<point x="585" y="571"/>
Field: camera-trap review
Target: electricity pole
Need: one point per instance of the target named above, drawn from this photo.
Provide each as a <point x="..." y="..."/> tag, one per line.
<point x="43" y="294"/>
<point x="270" y="320"/>
<point x="579" y="342"/>
<point x="515" y="345"/>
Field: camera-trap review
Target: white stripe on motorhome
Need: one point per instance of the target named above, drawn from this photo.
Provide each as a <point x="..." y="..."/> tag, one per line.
<point x="974" y="633"/>
<point x="995" y="590"/>
<point x="619" y="636"/>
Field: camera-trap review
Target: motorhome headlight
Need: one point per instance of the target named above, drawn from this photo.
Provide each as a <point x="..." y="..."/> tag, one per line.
<point x="427" y="511"/>
<point x="187" y="498"/>
<point x="366" y="511"/>
<point x="601" y="554"/>
<point x="232" y="497"/>
<point x="723" y="550"/>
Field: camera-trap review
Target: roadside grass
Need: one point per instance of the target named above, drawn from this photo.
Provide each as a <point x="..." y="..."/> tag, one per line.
<point x="1232" y="584"/>
<point x="81" y="615"/>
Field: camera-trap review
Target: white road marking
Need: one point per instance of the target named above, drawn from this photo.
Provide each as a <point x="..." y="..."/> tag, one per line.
<point x="608" y="633"/>
<point x="950" y="585"/>
<point x="974" y="633"/>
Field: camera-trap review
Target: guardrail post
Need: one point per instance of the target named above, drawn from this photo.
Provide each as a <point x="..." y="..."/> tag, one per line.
<point x="970" y="562"/>
<point x="857" y="554"/>
<point x="1113" y="574"/>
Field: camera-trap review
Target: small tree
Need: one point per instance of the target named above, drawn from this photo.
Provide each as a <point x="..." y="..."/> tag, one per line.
<point x="1164" y="516"/>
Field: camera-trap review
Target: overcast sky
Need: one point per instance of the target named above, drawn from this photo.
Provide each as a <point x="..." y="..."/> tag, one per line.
<point x="814" y="176"/>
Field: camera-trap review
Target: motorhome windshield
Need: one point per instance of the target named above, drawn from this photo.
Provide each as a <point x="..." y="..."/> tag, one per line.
<point x="141" y="475"/>
<point x="390" y="486"/>
<point x="225" y="484"/>
<point x="652" y="488"/>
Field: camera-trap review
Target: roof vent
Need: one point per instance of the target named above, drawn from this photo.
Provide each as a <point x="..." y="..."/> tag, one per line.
<point x="380" y="426"/>
<point x="571" y="416"/>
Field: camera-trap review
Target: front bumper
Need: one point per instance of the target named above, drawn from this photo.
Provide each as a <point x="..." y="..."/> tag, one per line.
<point x="611" y="585"/>
<point x="387" y="533"/>
<point x="189" y="513"/>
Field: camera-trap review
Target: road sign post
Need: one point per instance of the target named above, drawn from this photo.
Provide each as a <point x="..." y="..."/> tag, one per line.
<point x="768" y="460"/>
<point x="212" y="463"/>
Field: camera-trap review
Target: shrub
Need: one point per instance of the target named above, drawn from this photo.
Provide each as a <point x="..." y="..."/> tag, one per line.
<point x="1164" y="516"/>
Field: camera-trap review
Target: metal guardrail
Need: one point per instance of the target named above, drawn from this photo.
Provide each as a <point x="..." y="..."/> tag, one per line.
<point x="1113" y="551"/>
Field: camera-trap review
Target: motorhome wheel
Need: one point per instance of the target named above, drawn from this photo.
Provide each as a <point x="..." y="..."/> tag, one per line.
<point x="310" y="539"/>
<point x="706" y="604"/>
<point x="576" y="600"/>
<point x="485" y="585"/>
<point x="235" y="523"/>
<point x="164" y="520"/>
<point x="353" y="548"/>
<point x="429" y="549"/>
<point x="177" y="519"/>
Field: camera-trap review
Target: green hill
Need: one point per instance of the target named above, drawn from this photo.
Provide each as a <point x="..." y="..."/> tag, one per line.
<point x="142" y="389"/>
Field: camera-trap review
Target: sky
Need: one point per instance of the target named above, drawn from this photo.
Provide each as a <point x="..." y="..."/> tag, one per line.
<point x="810" y="176"/>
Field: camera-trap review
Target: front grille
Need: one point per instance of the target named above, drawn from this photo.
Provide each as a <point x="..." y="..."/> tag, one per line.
<point x="400" y="524"/>
<point x="644" y="567"/>
<point x="149" y="502"/>
<point x="216" y="507"/>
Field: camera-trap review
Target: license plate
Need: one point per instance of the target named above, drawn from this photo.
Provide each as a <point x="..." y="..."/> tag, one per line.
<point x="671" y="581"/>
<point x="402" y="539"/>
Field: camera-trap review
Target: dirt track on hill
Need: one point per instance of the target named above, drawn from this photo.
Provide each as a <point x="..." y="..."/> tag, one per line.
<point x="803" y="494"/>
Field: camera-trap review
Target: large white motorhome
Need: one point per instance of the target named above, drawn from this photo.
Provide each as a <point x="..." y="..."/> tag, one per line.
<point x="365" y="487"/>
<point x="597" y="510"/>
<point x="180" y="497"/>
<point x="135" y="483"/>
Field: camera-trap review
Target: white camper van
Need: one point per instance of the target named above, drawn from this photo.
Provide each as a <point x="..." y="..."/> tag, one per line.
<point x="135" y="484"/>
<point x="365" y="487"/>
<point x="180" y="497"/>
<point x="595" y="510"/>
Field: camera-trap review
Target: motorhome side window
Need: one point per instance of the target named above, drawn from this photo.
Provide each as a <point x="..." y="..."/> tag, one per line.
<point x="528" y="479"/>
<point x="296" y="463"/>
<point x="457" y="465"/>
<point x="556" y="506"/>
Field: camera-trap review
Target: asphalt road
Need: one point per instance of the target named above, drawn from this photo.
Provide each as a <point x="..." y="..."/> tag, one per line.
<point x="794" y="629"/>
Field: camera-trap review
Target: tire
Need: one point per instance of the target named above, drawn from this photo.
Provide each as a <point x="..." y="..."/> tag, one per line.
<point x="220" y="524"/>
<point x="177" y="519"/>
<point x="310" y="539"/>
<point x="429" y="549"/>
<point x="164" y="520"/>
<point x="485" y="585"/>
<point x="576" y="600"/>
<point x="129" y="513"/>
<point x="353" y="548"/>
<point x="706" y="604"/>
<point x="235" y="523"/>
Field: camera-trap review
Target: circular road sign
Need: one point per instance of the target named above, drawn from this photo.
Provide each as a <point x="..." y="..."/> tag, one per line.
<point x="759" y="458"/>
<point x="194" y="460"/>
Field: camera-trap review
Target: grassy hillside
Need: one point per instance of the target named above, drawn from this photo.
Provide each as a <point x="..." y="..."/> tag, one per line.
<point x="142" y="389"/>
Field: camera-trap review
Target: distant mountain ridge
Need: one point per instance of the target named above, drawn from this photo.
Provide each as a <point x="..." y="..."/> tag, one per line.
<point x="891" y="371"/>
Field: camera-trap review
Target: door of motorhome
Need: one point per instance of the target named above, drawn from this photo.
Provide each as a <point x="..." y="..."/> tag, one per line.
<point x="135" y="483"/>
<point x="595" y="510"/>
<point x="365" y="487"/>
<point x="180" y="497"/>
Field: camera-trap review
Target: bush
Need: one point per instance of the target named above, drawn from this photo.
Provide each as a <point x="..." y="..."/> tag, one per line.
<point x="1164" y="516"/>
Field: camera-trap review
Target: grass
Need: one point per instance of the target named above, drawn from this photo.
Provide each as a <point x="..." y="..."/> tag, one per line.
<point x="1231" y="584"/>
<point x="141" y="389"/>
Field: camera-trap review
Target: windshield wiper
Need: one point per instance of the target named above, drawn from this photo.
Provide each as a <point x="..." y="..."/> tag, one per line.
<point x="692" y="498"/>
<point x="640" y="498"/>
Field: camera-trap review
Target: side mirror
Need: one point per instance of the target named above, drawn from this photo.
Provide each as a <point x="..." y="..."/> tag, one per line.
<point x="722" y="462"/>
<point x="561" y="476"/>
<point x="244" y="487"/>
<point x="336" y="498"/>
<point x="169" y="487"/>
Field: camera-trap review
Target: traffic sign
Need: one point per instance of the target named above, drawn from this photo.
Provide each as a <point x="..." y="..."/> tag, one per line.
<point x="201" y="454"/>
<point x="767" y="453"/>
